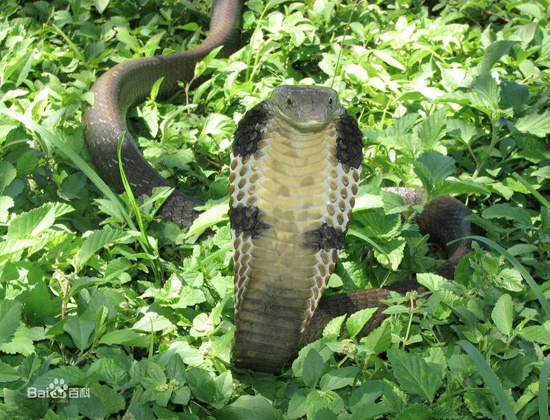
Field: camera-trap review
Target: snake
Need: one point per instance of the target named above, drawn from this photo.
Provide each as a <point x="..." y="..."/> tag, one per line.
<point x="295" y="166"/>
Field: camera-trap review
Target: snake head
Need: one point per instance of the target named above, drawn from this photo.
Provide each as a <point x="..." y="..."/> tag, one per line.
<point x="306" y="108"/>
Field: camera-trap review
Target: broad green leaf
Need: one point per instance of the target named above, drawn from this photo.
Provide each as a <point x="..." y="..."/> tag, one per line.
<point x="388" y="58"/>
<point x="26" y="163"/>
<point x="432" y="129"/>
<point x="32" y="223"/>
<point x="155" y="89"/>
<point x="536" y="124"/>
<point x="537" y="333"/>
<point x="514" y="95"/>
<point x="379" y="340"/>
<point x="151" y="322"/>
<point x="210" y="217"/>
<point x="7" y="175"/>
<point x="485" y="94"/>
<point x="80" y="331"/>
<point x="101" y="5"/>
<point x="392" y="255"/>
<point x="297" y="406"/>
<point x="10" y="316"/>
<point x="71" y="375"/>
<point x="98" y="240"/>
<point x="357" y="320"/>
<point x="414" y="374"/>
<point x="438" y="167"/>
<point x="119" y="337"/>
<point x="72" y="186"/>
<point x="492" y="54"/>
<point x="8" y="373"/>
<point x="313" y="368"/>
<point x="531" y="9"/>
<point x="22" y="342"/>
<point x="248" y="407"/>
<point x="508" y="212"/>
<point x="334" y="327"/>
<point x="490" y="378"/>
<point x="510" y="279"/>
<point x="6" y="203"/>
<point x="502" y="314"/>
<point x="38" y="304"/>
<point x="190" y="296"/>
<point x="338" y="378"/>
<point x="125" y="37"/>
<point x="462" y="130"/>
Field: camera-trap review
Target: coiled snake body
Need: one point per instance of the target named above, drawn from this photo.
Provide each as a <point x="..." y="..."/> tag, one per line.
<point x="295" y="165"/>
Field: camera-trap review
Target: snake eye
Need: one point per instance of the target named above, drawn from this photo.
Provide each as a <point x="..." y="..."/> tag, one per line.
<point x="288" y="100"/>
<point x="330" y="101"/>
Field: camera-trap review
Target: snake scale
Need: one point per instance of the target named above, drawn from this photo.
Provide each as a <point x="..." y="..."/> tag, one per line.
<point x="295" y="164"/>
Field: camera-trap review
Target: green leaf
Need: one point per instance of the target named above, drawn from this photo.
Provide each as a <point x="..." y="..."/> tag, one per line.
<point x="379" y="340"/>
<point x="432" y="129"/>
<point x="32" y="223"/>
<point x="414" y="374"/>
<point x="525" y="274"/>
<point x="490" y="378"/>
<point x="210" y="217"/>
<point x="334" y="327"/>
<point x="248" y="407"/>
<point x="462" y="130"/>
<point x="514" y="95"/>
<point x="297" y="406"/>
<point x="338" y="378"/>
<point x="536" y="124"/>
<point x="357" y="321"/>
<point x="202" y="385"/>
<point x="510" y="279"/>
<point x="485" y="94"/>
<point x="508" y="212"/>
<point x="7" y="175"/>
<point x="492" y="54"/>
<point x="120" y="337"/>
<point x="26" y="163"/>
<point x="98" y="240"/>
<point x="101" y="5"/>
<point x="313" y="368"/>
<point x="124" y="36"/>
<point x="155" y="89"/>
<point x="10" y="316"/>
<point x="6" y="203"/>
<point x="72" y="186"/>
<point x="389" y="58"/>
<point x="80" y="331"/>
<point x="38" y="304"/>
<point x="190" y="296"/>
<point x="434" y="167"/>
<point x="537" y="333"/>
<point x="8" y="373"/>
<point x="502" y="314"/>
<point x="22" y="342"/>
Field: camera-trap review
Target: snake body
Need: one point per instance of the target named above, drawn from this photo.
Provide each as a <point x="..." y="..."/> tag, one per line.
<point x="295" y="163"/>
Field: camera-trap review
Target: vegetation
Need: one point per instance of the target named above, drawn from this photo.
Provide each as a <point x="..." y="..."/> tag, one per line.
<point x="136" y="318"/>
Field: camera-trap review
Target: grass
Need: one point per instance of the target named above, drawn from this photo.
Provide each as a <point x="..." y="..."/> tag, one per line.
<point x="135" y="316"/>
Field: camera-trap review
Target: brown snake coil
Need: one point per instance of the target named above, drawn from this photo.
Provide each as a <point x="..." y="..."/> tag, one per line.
<point x="294" y="170"/>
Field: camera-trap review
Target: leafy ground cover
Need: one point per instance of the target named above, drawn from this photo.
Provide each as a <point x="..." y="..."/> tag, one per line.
<point x="116" y="314"/>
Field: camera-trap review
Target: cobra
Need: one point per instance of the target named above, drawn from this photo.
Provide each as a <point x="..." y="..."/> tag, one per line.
<point x="295" y="165"/>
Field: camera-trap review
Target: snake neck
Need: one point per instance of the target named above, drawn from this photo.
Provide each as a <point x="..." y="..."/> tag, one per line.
<point x="291" y="202"/>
